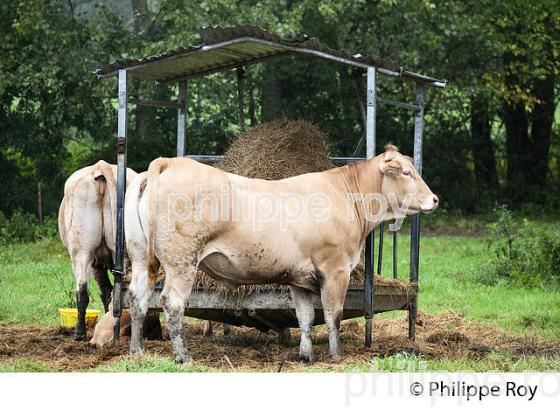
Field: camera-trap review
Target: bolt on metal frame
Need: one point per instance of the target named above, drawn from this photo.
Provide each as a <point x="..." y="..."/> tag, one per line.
<point x="369" y="118"/>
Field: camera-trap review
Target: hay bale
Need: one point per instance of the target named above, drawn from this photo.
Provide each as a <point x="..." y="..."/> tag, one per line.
<point x="278" y="149"/>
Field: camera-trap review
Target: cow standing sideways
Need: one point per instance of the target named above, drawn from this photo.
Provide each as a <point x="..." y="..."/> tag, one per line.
<point x="86" y="226"/>
<point x="304" y="231"/>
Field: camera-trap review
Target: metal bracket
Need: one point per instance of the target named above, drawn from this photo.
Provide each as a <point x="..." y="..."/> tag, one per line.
<point x="371" y="97"/>
<point x="122" y="99"/>
<point x="121" y="145"/>
<point x="117" y="274"/>
<point x="117" y="297"/>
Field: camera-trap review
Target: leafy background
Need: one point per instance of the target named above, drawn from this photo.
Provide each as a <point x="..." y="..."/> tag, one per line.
<point x="491" y="136"/>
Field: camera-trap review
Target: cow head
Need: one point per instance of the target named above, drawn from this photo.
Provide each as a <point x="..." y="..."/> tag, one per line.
<point x="402" y="184"/>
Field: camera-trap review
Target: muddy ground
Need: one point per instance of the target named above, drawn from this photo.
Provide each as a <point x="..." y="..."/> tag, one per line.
<point x="438" y="337"/>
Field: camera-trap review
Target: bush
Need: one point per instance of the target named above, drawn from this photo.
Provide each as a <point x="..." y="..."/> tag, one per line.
<point x="23" y="227"/>
<point x="526" y="255"/>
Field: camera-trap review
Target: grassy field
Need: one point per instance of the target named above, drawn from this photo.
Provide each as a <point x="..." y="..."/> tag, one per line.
<point x="36" y="279"/>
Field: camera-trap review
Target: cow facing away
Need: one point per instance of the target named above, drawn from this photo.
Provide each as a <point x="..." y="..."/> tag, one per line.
<point x="197" y="216"/>
<point x="86" y="221"/>
<point x="138" y="246"/>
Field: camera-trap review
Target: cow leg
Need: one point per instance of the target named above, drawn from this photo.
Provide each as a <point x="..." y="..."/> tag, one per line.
<point x="303" y="301"/>
<point x="140" y="292"/>
<point x="174" y="297"/>
<point x="82" y="263"/>
<point x="333" y="293"/>
<point x="284" y="336"/>
<point x="105" y="287"/>
<point x="207" y="332"/>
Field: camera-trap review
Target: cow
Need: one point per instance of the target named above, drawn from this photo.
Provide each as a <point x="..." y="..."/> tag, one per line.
<point x="103" y="332"/>
<point x="196" y="216"/>
<point x="86" y="219"/>
<point x="138" y="245"/>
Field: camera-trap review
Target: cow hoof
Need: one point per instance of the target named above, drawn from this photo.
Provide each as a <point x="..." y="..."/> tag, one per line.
<point x="336" y="357"/>
<point x="136" y="350"/>
<point x="79" y="337"/>
<point x="307" y="357"/>
<point x="182" y="359"/>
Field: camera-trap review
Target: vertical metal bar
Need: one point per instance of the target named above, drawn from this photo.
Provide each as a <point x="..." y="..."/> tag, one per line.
<point x="370" y="113"/>
<point x="240" y="77"/>
<point x="395" y="273"/>
<point x="369" y="285"/>
<point x="380" y="250"/>
<point x="415" y="229"/>
<point x="181" y="118"/>
<point x="118" y="270"/>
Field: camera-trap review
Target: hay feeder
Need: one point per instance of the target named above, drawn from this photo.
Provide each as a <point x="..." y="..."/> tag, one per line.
<point x="226" y="49"/>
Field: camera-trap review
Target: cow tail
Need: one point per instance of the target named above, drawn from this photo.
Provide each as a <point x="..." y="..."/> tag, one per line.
<point x="111" y="186"/>
<point x="157" y="166"/>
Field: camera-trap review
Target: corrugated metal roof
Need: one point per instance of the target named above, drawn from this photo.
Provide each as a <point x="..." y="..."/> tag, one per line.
<point x="231" y="47"/>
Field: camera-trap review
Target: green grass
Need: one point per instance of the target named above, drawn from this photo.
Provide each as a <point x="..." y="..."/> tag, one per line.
<point x="151" y="364"/>
<point x="449" y="266"/>
<point x="400" y="362"/>
<point x="25" y="365"/>
<point x="492" y="362"/>
<point x="36" y="279"/>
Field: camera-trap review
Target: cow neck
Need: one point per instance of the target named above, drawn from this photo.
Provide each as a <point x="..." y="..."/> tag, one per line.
<point x="363" y="178"/>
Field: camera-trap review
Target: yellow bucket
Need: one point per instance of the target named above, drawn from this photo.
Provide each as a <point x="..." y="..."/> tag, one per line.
<point x="69" y="317"/>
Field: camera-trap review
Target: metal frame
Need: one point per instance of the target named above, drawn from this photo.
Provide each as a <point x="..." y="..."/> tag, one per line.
<point x="287" y="51"/>
<point x="368" y="116"/>
<point x="181" y="118"/>
<point x="415" y="227"/>
<point x="118" y="271"/>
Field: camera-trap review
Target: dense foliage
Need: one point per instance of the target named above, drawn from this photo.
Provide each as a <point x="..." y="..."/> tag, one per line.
<point x="526" y="254"/>
<point x="491" y="136"/>
<point x="22" y="227"/>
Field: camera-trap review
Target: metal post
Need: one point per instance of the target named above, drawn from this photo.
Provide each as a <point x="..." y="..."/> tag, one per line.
<point x="395" y="273"/>
<point x="240" y="77"/>
<point x="415" y="229"/>
<point x="118" y="270"/>
<point x="369" y="286"/>
<point x="380" y="250"/>
<point x="370" y="113"/>
<point x="181" y="118"/>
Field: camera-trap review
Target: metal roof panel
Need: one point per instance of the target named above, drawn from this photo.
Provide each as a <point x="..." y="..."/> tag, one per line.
<point x="231" y="47"/>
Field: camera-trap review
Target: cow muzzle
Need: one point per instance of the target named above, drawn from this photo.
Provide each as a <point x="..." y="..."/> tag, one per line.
<point x="430" y="204"/>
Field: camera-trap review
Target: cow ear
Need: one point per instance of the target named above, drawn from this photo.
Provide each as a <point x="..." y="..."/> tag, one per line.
<point x="390" y="168"/>
<point x="389" y="155"/>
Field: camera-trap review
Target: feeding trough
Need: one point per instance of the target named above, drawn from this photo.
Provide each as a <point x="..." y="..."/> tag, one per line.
<point x="232" y="49"/>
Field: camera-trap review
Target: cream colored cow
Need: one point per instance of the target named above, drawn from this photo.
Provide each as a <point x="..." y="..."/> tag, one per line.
<point x="305" y="231"/>
<point x="86" y="221"/>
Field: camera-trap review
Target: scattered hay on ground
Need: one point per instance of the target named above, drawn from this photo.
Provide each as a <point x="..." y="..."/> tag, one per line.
<point x="442" y="336"/>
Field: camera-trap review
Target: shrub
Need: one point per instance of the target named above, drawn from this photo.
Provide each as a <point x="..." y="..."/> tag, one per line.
<point x="23" y="227"/>
<point x="527" y="254"/>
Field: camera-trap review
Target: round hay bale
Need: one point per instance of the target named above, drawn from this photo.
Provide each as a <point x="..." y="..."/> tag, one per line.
<point x="278" y="149"/>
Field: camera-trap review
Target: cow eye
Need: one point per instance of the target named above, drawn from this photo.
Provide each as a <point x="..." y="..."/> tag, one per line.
<point x="407" y="173"/>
